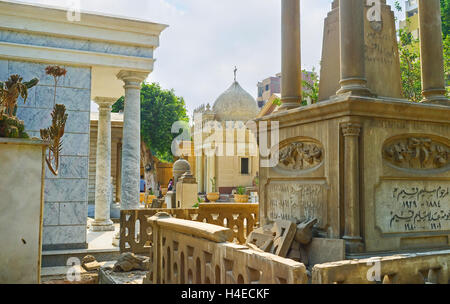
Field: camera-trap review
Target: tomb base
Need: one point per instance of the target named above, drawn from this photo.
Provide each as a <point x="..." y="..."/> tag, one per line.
<point x="373" y="171"/>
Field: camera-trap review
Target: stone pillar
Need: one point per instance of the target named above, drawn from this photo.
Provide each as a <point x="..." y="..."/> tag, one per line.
<point x="118" y="170"/>
<point x="291" y="72"/>
<point x="131" y="145"/>
<point x="352" y="237"/>
<point x="200" y="171"/>
<point x="431" y="52"/>
<point x="103" y="167"/>
<point x="351" y="31"/>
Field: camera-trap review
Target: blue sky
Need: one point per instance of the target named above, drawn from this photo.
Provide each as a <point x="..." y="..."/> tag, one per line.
<point x="207" y="38"/>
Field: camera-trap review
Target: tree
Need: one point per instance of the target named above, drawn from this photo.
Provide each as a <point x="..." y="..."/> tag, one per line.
<point x="310" y="88"/>
<point x="160" y="109"/>
<point x="410" y="68"/>
<point x="445" y="13"/>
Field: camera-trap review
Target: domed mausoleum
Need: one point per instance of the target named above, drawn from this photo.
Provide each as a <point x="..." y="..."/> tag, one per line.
<point x="235" y="104"/>
<point x="235" y="162"/>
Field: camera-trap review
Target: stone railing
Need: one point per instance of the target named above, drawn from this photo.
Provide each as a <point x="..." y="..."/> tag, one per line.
<point x="188" y="252"/>
<point x="135" y="235"/>
<point x="419" y="268"/>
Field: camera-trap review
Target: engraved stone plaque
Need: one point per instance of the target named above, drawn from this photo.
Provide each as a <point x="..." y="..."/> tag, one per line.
<point x="298" y="201"/>
<point x="409" y="206"/>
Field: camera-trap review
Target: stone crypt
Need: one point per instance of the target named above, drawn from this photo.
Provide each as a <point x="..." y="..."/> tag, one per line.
<point x="372" y="167"/>
<point x="106" y="57"/>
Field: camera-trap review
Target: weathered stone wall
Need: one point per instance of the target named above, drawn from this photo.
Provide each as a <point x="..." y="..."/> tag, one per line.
<point x="186" y="252"/>
<point x="20" y="210"/>
<point x="420" y="268"/>
<point x="65" y="211"/>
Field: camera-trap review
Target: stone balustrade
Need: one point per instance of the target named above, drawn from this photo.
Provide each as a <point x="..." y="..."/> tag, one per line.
<point x="189" y="252"/>
<point x="135" y="232"/>
<point x="419" y="268"/>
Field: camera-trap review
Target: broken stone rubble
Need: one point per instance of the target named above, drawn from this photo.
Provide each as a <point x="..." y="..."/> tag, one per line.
<point x="284" y="238"/>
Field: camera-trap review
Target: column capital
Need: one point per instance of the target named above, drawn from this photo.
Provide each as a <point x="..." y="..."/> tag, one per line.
<point x="351" y="129"/>
<point x="105" y="102"/>
<point x="132" y="76"/>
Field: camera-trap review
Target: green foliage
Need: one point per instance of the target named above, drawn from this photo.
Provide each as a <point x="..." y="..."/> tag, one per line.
<point x="447" y="61"/>
<point x="199" y="201"/>
<point x="410" y="55"/>
<point x="310" y="90"/>
<point x="12" y="127"/>
<point x="159" y="110"/>
<point x="277" y="102"/>
<point x="410" y="65"/>
<point x="445" y="13"/>
<point x="241" y="190"/>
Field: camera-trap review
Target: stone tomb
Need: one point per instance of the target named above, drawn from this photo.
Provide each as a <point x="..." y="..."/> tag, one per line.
<point x="373" y="171"/>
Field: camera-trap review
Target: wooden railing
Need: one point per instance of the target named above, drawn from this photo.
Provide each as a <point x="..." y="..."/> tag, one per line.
<point x="188" y="252"/>
<point x="419" y="268"/>
<point x="136" y="234"/>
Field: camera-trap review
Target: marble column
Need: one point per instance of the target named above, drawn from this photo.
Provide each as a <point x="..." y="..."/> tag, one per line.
<point x="351" y="32"/>
<point x="103" y="167"/>
<point x="352" y="237"/>
<point x="431" y="52"/>
<point x="131" y="144"/>
<point x="291" y="72"/>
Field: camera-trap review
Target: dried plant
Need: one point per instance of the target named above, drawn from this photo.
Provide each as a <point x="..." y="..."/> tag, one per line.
<point x="55" y="132"/>
<point x="10" y="91"/>
<point x="55" y="71"/>
<point x="54" y="135"/>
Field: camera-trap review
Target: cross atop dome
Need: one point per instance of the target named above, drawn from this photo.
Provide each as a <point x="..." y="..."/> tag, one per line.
<point x="235" y="72"/>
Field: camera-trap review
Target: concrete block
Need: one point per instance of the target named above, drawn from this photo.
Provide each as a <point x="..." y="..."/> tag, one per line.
<point x="321" y="250"/>
<point x="58" y="235"/>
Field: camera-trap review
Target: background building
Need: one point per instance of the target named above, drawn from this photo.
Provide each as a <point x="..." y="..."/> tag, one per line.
<point x="272" y="85"/>
<point x="236" y="106"/>
<point x="412" y="14"/>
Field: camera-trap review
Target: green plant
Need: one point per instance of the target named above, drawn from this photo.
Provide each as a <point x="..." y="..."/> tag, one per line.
<point x="241" y="190"/>
<point x="213" y="184"/>
<point x="277" y="102"/>
<point x="310" y="88"/>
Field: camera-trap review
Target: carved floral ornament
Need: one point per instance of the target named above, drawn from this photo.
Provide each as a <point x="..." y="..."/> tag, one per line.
<point x="301" y="155"/>
<point x="417" y="152"/>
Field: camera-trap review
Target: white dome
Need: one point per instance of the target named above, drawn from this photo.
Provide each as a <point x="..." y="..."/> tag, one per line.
<point x="235" y="104"/>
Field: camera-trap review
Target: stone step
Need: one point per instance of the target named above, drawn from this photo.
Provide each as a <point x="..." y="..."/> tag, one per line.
<point x="57" y="258"/>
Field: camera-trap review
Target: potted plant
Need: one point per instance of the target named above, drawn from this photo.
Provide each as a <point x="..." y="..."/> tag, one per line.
<point x="241" y="195"/>
<point x="214" y="195"/>
<point x="199" y="201"/>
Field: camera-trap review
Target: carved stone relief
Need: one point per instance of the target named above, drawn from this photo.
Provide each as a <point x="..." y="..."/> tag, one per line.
<point x="301" y="155"/>
<point x="419" y="153"/>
